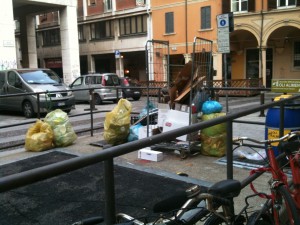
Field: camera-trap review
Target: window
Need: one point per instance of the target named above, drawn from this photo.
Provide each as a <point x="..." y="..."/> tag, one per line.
<point x="81" y="33"/>
<point x="107" y="5"/>
<point x="133" y="25"/>
<point x="205" y="17"/>
<point x="102" y="30"/>
<point x="51" y="37"/>
<point x="91" y="2"/>
<point x="2" y="80"/>
<point x="239" y="5"/>
<point x="297" y="54"/>
<point x="286" y="3"/>
<point x="169" y="22"/>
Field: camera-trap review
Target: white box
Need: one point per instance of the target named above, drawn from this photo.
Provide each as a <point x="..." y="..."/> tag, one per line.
<point x="143" y="131"/>
<point x="148" y="154"/>
<point x="176" y="119"/>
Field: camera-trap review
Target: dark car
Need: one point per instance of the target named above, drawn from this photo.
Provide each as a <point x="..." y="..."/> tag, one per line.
<point x="130" y="89"/>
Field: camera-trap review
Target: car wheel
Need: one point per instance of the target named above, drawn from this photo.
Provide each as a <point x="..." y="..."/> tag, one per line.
<point x="124" y="95"/>
<point x="98" y="100"/>
<point x="28" y="109"/>
<point x="67" y="111"/>
<point x="136" y="98"/>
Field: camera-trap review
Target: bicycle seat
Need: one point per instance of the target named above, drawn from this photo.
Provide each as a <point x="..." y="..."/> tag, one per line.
<point x="226" y="188"/>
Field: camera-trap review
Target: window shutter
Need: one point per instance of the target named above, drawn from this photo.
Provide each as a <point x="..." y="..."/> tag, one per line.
<point x="169" y="22"/>
<point x="272" y="4"/>
<point x="251" y="5"/>
<point x="205" y="17"/>
<point x="226" y="6"/>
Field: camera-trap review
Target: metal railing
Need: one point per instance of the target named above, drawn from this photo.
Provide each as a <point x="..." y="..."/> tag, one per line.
<point x="28" y="177"/>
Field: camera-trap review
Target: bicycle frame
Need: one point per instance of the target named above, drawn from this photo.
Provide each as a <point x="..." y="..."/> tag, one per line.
<point x="278" y="176"/>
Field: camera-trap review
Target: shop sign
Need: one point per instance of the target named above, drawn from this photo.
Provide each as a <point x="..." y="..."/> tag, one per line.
<point x="285" y="86"/>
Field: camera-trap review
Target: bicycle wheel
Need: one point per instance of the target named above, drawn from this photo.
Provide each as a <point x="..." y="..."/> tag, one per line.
<point x="284" y="208"/>
<point x="264" y="219"/>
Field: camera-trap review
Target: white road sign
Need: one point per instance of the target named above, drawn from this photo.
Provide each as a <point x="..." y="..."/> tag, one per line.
<point x="223" y="33"/>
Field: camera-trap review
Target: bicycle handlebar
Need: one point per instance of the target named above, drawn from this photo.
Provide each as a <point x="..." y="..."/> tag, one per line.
<point x="285" y="137"/>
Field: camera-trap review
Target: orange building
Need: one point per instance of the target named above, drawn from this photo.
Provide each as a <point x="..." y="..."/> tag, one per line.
<point x="179" y="22"/>
<point x="264" y="45"/>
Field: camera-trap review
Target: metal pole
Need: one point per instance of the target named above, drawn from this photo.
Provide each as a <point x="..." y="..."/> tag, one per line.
<point x="262" y="101"/>
<point x="225" y="78"/>
<point x="109" y="186"/>
<point x="92" y="107"/>
<point x="229" y="149"/>
<point x="281" y="124"/>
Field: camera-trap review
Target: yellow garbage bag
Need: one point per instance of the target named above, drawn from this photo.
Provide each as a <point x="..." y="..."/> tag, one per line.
<point x="39" y="137"/>
<point x="117" y="123"/>
<point x="213" y="145"/>
<point x="64" y="134"/>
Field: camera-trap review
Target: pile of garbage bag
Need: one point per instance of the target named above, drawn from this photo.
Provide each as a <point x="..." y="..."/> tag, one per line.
<point x="117" y="123"/>
<point x="213" y="138"/>
<point x="55" y="131"/>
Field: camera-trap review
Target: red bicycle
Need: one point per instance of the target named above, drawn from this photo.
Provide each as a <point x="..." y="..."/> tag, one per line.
<point x="283" y="203"/>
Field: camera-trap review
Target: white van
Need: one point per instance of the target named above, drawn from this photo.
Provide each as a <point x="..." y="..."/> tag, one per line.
<point x="20" y="81"/>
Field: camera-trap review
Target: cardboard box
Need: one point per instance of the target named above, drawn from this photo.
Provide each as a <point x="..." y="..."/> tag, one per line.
<point x="143" y="131"/>
<point x="176" y="119"/>
<point x="148" y="154"/>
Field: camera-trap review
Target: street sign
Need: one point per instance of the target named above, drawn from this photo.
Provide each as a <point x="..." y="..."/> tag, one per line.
<point x="117" y="54"/>
<point x="285" y="86"/>
<point x="223" y="33"/>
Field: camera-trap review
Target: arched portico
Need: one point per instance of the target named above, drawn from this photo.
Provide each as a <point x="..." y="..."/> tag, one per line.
<point x="25" y="46"/>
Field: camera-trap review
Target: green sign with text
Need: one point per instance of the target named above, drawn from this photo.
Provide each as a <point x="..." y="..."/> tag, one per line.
<point x="285" y="86"/>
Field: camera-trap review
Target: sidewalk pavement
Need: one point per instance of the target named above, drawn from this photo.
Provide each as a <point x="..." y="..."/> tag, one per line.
<point x="203" y="170"/>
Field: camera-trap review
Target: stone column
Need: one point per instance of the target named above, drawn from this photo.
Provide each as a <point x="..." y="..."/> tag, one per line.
<point x="91" y="64"/>
<point x="263" y="66"/>
<point x="31" y="42"/>
<point x="69" y="43"/>
<point x="8" y="58"/>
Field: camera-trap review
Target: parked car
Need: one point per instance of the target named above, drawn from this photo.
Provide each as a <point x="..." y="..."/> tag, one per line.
<point x="21" y="81"/>
<point x="105" y="87"/>
<point x="130" y="89"/>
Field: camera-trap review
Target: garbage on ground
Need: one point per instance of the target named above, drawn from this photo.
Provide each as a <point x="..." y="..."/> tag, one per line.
<point x="39" y="137"/>
<point x="148" y="154"/>
<point x="213" y="138"/>
<point x="211" y="106"/>
<point x="216" y="129"/>
<point x="117" y="123"/>
<point x="64" y="135"/>
<point x="250" y="154"/>
<point x="213" y="145"/>
<point x="176" y="119"/>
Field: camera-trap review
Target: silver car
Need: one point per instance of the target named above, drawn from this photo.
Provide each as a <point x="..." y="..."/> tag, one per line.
<point x="53" y="93"/>
<point x="104" y="88"/>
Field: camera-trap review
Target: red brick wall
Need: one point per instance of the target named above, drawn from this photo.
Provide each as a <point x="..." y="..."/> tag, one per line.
<point x="98" y="8"/>
<point x="80" y="8"/>
<point x="125" y="4"/>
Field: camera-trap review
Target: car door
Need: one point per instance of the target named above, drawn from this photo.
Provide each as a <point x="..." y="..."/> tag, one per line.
<point x="76" y="85"/>
<point x="2" y="89"/>
<point x="14" y="86"/>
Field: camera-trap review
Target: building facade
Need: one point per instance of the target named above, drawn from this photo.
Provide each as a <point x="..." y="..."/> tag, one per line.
<point x="111" y="34"/>
<point x="265" y="42"/>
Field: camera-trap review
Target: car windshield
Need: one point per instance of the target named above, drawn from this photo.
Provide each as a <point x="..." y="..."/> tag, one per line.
<point x="40" y="77"/>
